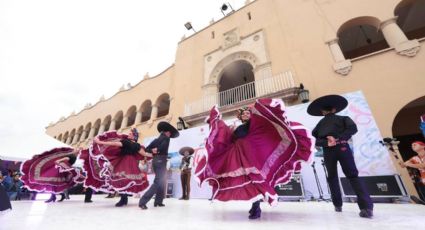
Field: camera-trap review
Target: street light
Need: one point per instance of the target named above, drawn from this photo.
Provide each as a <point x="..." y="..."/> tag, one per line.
<point x="303" y="94"/>
<point x="226" y="6"/>
<point x="180" y="124"/>
<point x="188" y="26"/>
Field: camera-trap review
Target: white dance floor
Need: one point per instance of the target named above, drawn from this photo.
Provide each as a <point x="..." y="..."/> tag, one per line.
<point x="202" y="215"/>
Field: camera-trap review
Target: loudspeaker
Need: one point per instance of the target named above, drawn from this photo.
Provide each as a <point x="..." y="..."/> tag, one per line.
<point x="293" y="189"/>
<point x="388" y="186"/>
<point x="170" y="189"/>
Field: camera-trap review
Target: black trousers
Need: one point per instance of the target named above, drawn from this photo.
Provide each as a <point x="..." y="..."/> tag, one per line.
<point x="159" y="166"/>
<point x="4" y="199"/>
<point x="343" y="154"/>
<point x="88" y="194"/>
<point x="185" y="179"/>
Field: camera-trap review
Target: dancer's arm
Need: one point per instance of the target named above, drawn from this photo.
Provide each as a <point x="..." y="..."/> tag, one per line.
<point x="147" y="154"/>
<point x="62" y="159"/>
<point x="110" y="143"/>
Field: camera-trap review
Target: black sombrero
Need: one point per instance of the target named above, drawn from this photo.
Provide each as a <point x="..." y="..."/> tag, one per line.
<point x="186" y="149"/>
<point x="164" y="126"/>
<point x="328" y="101"/>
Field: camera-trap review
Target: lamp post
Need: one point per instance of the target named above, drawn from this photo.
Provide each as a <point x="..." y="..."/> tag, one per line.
<point x="303" y="94"/>
<point x="226" y="6"/>
<point x="189" y="26"/>
<point x="180" y="124"/>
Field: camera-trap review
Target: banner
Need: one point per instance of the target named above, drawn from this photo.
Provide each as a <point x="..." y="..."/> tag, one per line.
<point x="371" y="157"/>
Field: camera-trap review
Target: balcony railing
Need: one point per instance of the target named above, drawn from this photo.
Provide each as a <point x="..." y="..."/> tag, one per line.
<point x="242" y="93"/>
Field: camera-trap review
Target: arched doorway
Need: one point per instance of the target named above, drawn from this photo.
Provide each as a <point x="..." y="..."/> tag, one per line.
<point x="406" y="126"/>
<point x="236" y="83"/>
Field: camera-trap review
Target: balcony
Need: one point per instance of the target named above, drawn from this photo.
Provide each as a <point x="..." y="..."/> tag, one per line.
<point x="279" y="86"/>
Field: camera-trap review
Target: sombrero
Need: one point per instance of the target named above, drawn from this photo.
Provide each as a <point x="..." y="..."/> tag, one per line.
<point x="333" y="101"/>
<point x="186" y="149"/>
<point x="164" y="126"/>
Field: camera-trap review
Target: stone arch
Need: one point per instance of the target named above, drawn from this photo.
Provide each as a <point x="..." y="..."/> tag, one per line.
<point x="146" y="110"/>
<point x="80" y="132"/>
<point x="163" y="104"/>
<point x="65" y="137"/>
<point x="360" y="36"/>
<point x="86" y="132"/>
<point x="72" y="135"/>
<point x="96" y="126"/>
<point x="118" y="120"/>
<point x="411" y="18"/>
<point x="107" y="122"/>
<point x="220" y="66"/>
<point x="131" y="116"/>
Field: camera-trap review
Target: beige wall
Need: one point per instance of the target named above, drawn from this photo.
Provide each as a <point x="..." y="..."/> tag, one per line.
<point x="295" y="39"/>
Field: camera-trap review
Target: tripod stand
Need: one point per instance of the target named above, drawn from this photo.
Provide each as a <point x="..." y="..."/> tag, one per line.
<point x="319" y="187"/>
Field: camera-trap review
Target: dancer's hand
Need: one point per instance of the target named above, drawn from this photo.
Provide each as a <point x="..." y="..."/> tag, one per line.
<point x="155" y="151"/>
<point x="96" y="140"/>
<point x="331" y="141"/>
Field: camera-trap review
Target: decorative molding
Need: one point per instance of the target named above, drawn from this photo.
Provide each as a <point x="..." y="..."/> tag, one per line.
<point x="410" y="52"/>
<point x="408" y="48"/>
<point x="231" y="38"/>
<point x="343" y="67"/>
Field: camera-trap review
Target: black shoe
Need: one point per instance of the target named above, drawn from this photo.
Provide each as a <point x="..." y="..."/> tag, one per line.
<point x="51" y="199"/>
<point x="182" y="198"/>
<point x="88" y="201"/>
<point x="62" y="198"/>
<point x="366" y="213"/>
<point x="256" y="213"/>
<point x="143" y="206"/>
<point x="160" y="205"/>
<point x="121" y="203"/>
<point x="338" y="209"/>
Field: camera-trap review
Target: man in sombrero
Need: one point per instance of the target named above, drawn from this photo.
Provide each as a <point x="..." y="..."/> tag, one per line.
<point x="332" y="134"/>
<point x="186" y="170"/>
<point x="159" y="146"/>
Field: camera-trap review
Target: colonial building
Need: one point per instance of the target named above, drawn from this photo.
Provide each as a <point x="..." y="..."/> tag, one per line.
<point x="268" y="48"/>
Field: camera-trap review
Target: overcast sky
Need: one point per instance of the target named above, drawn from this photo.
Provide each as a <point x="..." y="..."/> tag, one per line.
<point x="56" y="56"/>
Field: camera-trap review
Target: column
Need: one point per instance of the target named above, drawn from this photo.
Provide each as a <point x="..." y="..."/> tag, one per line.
<point x="341" y="65"/>
<point x="138" y="118"/>
<point x="83" y="135"/>
<point x="101" y="128"/>
<point x="91" y="133"/>
<point x="68" y="140"/>
<point x="124" y="122"/>
<point x="396" y="38"/>
<point x="154" y="113"/>
<point x="76" y="139"/>
<point x="112" y="126"/>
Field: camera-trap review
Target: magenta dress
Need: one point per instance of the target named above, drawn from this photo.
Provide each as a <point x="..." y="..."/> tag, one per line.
<point x="114" y="169"/>
<point x="42" y="174"/>
<point x="249" y="168"/>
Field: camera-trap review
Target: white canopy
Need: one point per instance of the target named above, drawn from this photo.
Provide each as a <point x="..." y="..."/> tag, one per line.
<point x="25" y="148"/>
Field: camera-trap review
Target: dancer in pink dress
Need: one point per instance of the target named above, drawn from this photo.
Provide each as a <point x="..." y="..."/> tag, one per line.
<point x="112" y="164"/>
<point x="248" y="162"/>
<point x="52" y="171"/>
